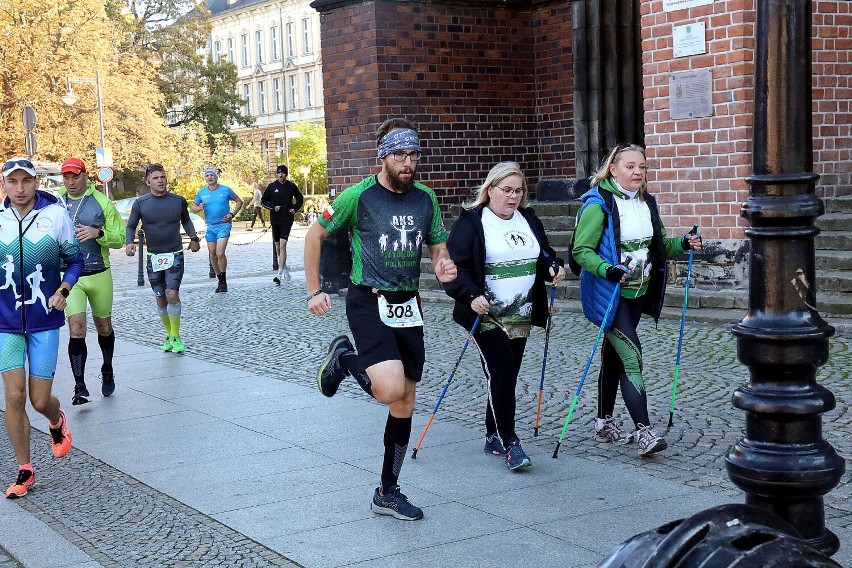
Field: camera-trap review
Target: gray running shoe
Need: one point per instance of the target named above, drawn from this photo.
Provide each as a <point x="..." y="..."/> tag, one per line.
<point x="649" y="441"/>
<point x="516" y="458"/>
<point x="286" y="274"/>
<point x="395" y="504"/>
<point x="331" y="373"/>
<point x="607" y="429"/>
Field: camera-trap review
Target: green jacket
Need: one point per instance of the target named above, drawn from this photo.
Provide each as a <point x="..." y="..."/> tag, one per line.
<point x="94" y="209"/>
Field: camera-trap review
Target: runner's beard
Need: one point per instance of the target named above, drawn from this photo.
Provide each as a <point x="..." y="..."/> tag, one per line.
<point x="399" y="185"/>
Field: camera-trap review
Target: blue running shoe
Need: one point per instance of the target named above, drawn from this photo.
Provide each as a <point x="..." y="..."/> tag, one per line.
<point x="494" y="446"/>
<point x="395" y="504"/>
<point x="516" y="458"/>
<point x="107" y="383"/>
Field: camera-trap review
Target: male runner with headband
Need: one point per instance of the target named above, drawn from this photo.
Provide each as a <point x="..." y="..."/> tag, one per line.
<point x="162" y="213"/>
<point x="390" y="216"/>
<point x="215" y="201"/>
<point x="98" y="228"/>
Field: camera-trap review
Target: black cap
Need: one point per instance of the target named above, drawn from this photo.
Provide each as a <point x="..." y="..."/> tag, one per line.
<point x="282" y="170"/>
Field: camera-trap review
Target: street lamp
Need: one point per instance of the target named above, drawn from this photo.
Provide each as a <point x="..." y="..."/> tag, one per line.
<point x="70" y="99"/>
<point x="305" y="170"/>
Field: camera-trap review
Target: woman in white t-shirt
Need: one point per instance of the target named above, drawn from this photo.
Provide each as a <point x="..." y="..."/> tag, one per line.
<point x="503" y="260"/>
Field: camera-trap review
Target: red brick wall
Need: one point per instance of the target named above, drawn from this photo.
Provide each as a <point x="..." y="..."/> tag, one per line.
<point x="483" y="83"/>
<point x="698" y="166"/>
<point x="832" y="93"/>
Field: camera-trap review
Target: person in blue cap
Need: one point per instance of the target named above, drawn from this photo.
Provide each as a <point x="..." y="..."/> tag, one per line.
<point x="215" y="200"/>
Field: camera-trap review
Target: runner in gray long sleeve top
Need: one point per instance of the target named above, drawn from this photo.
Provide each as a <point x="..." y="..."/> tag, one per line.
<point x="160" y="216"/>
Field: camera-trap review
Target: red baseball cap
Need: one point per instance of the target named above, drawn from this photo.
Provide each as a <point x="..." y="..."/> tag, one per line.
<point x="73" y="165"/>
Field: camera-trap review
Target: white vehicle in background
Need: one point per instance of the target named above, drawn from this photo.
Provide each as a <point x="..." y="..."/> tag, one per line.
<point x="49" y="176"/>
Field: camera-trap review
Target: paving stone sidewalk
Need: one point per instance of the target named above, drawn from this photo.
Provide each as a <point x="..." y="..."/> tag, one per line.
<point x="202" y="454"/>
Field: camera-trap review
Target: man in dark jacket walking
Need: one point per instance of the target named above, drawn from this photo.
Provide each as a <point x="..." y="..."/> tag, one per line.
<point x="283" y="198"/>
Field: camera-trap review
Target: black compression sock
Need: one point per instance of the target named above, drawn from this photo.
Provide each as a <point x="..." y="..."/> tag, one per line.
<point x="349" y="362"/>
<point x="77" y="353"/>
<point x="397" y="434"/>
<point x="107" y="343"/>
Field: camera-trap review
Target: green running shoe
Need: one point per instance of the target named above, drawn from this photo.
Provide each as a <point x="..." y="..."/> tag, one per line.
<point x="167" y="345"/>
<point x="177" y="344"/>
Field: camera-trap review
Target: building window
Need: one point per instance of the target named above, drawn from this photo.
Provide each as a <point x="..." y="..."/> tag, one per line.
<point x="258" y="44"/>
<point x="306" y="35"/>
<point x="244" y="50"/>
<point x="276" y="94"/>
<point x="279" y="146"/>
<point x="264" y="148"/>
<point x="293" y="92"/>
<point x="273" y="43"/>
<point x="247" y="99"/>
<point x="291" y="40"/>
<point x="231" y="50"/>
<point x="261" y="97"/>
<point x="309" y="90"/>
<point x="217" y="51"/>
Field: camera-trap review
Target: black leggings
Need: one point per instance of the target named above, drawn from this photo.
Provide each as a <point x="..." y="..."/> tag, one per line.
<point x="621" y="364"/>
<point x="501" y="359"/>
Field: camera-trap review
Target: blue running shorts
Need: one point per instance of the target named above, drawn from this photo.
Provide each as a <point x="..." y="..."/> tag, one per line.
<point x="216" y="231"/>
<point x="41" y="348"/>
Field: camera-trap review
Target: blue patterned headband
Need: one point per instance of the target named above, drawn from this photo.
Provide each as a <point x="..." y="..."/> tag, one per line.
<point x="211" y="171"/>
<point x="400" y="139"/>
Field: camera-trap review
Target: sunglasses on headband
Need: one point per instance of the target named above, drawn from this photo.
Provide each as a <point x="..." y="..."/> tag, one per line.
<point x="22" y="164"/>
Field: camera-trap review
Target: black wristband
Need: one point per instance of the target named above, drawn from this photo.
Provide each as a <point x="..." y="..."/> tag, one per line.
<point x="195" y="239"/>
<point x="100" y="233"/>
<point x="64" y="292"/>
<point x="314" y="295"/>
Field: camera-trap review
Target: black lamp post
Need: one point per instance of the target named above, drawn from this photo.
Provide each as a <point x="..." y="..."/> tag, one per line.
<point x="783" y="464"/>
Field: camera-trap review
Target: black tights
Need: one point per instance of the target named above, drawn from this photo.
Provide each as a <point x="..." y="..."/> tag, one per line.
<point x="501" y="359"/>
<point x="621" y="364"/>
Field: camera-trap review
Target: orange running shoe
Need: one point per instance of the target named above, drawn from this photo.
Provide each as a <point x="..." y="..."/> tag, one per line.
<point x="26" y="478"/>
<point x="61" y="438"/>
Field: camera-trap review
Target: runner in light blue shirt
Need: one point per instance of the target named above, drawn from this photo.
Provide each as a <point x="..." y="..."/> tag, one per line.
<point x="215" y="200"/>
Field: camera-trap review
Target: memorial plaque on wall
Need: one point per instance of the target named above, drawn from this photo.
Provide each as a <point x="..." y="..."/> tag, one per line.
<point x="688" y="40"/>
<point x="691" y="94"/>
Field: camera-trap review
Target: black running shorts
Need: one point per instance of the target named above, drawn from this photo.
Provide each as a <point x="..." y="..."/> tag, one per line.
<point x="282" y="231"/>
<point x="377" y="342"/>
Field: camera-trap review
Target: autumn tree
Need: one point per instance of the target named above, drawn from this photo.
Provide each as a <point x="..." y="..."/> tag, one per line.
<point x="194" y="87"/>
<point x="308" y="152"/>
<point x="43" y="44"/>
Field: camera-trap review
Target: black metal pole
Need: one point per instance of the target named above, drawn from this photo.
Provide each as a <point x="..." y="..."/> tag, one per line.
<point x="783" y="464"/>
<point x="140" y="274"/>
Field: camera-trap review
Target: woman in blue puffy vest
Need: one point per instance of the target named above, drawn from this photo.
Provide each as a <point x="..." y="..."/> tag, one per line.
<point x="620" y="241"/>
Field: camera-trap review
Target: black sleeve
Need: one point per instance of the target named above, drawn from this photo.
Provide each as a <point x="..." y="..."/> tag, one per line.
<point x="460" y="247"/>
<point x="548" y="255"/>
<point x="300" y="199"/>
<point x="265" y="201"/>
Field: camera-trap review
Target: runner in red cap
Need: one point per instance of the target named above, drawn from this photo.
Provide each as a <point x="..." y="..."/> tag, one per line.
<point x="98" y="228"/>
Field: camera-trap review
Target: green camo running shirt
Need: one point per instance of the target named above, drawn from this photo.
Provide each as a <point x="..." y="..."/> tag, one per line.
<point x="388" y="230"/>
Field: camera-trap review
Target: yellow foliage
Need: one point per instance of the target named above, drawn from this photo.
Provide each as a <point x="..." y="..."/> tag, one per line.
<point x="42" y="43"/>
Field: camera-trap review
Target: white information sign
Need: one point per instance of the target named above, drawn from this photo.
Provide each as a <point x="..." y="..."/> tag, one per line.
<point x="689" y="39"/>
<point x="103" y="157"/>
<point x="672" y="5"/>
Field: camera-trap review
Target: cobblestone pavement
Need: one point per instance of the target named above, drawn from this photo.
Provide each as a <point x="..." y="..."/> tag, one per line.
<point x="6" y="560"/>
<point x="267" y="329"/>
<point x="148" y="529"/>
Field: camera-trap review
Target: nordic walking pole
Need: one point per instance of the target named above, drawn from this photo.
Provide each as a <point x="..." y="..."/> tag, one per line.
<point x="588" y="364"/>
<point x="544" y="359"/>
<point x="446" y="386"/>
<point x="694" y="231"/>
